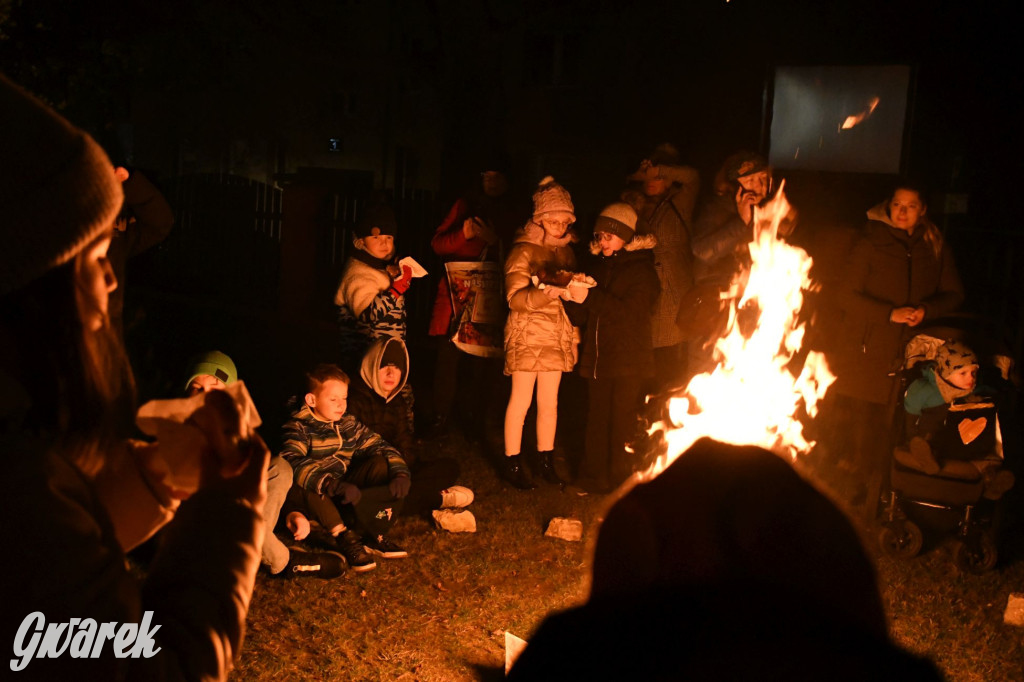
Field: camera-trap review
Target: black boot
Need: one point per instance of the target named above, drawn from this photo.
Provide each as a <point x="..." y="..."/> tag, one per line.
<point x="514" y="471"/>
<point x="546" y="466"/>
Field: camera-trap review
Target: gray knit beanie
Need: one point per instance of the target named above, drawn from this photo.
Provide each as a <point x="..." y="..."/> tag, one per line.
<point x="618" y="219"/>
<point x="58" y="191"/>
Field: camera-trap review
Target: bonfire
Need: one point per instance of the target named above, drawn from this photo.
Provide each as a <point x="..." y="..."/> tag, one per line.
<point x="762" y="383"/>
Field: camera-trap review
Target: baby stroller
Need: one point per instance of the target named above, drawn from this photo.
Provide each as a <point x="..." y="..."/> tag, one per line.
<point x="944" y="504"/>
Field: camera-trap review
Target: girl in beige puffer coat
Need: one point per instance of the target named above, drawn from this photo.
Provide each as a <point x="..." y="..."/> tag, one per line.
<point x="540" y="341"/>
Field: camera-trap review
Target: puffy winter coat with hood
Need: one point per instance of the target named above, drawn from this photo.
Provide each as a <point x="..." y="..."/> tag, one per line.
<point x="887" y="269"/>
<point x="538" y="334"/>
<point x="616" y="315"/>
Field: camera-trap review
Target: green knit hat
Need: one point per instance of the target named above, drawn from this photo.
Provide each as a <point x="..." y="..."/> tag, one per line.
<point x="215" y="364"/>
<point x="58" y="191"/>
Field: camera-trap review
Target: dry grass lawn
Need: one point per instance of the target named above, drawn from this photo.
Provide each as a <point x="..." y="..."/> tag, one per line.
<point x="442" y="613"/>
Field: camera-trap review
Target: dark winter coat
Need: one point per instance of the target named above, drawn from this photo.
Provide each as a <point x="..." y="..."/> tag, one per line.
<point x="667" y="218"/>
<point x="385" y="414"/>
<point x="616" y="315"/>
<point x="717" y="234"/>
<point x="887" y="269"/>
<point x="148" y="221"/>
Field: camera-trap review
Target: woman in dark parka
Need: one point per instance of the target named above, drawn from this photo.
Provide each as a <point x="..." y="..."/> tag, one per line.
<point x="900" y="273"/>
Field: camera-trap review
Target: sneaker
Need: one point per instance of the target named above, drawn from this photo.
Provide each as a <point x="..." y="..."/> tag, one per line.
<point x="351" y="547"/>
<point x="455" y="521"/>
<point x="313" y="564"/>
<point x="456" y="497"/>
<point x="383" y="547"/>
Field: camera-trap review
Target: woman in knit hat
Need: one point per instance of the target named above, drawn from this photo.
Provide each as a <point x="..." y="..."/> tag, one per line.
<point x="540" y="341"/>
<point x="66" y="409"/>
<point x="617" y="354"/>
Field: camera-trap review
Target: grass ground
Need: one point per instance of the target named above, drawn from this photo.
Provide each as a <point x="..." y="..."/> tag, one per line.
<point x="442" y="613"/>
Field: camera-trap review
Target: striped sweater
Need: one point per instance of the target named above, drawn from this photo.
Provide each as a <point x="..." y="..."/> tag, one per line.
<point x="320" y="451"/>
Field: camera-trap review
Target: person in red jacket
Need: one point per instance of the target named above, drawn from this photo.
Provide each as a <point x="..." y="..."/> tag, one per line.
<point x="478" y="227"/>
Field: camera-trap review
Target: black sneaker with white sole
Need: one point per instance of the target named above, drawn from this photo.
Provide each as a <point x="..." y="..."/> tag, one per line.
<point x="384" y="548"/>
<point x="351" y="546"/>
<point x="313" y="564"/>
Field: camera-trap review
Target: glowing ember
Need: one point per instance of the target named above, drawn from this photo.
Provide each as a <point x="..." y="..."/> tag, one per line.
<point x="858" y="118"/>
<point x="752" y="396"/>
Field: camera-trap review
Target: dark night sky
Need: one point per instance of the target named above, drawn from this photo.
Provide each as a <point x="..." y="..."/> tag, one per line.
<point x="692" y="72"/>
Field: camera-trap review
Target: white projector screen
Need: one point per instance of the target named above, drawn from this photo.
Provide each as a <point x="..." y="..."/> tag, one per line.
<point x="839" y="118"/>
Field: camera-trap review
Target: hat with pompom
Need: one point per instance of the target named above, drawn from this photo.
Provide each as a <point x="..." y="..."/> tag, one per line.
<point x="58" y="191"/>
<point x="550" y="197"/>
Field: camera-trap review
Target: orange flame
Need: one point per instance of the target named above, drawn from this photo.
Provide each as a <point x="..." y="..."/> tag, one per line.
<point x="752" y="396"/>
<point x="862" y="116"/>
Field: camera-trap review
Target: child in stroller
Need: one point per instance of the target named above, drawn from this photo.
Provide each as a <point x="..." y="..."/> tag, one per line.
<point x="949" y="463"/>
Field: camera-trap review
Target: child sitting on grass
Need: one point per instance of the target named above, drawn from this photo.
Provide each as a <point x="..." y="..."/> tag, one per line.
<point x="348" y="477"/>
<point x="215" y="371"/>
<point x="948" y="387"/>
<point x="378" y="403"/>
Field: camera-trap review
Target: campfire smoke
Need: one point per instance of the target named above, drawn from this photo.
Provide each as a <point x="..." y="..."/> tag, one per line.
<point x="761" y="381"/>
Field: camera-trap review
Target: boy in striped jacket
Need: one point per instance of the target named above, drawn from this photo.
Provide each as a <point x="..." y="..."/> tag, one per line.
<point x="346" y="476"/>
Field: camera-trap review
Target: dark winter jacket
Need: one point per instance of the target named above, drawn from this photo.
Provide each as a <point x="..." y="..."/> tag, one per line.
<point x="887" y="269"/>
<point x="668" y="218"/>
<point x="385" y="414"/>
<point x="148" y="221"/>
<point x="717" y="234"/>
<point x="320" y="451"/>
<point x="64" y="560"/>
<point x="616" y="315"/>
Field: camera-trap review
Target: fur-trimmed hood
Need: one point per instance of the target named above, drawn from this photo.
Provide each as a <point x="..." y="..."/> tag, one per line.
<point x="637" y="243"/>
<point x="533" y="233"/>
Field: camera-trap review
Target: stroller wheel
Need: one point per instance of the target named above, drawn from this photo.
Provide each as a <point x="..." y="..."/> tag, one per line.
<point x="901" y="539"/>
<point x="977" y="556"/>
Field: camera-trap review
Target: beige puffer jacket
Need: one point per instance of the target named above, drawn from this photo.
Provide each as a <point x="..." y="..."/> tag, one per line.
<point x="538" y="334"/>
